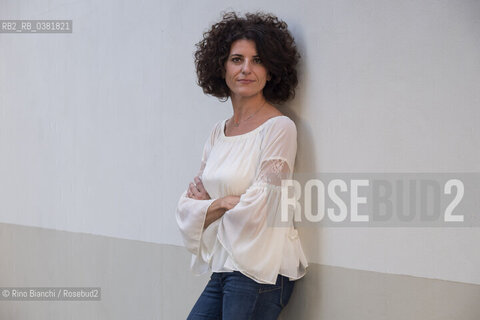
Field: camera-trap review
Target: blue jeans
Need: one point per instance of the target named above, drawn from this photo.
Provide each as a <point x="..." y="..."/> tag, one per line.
<point x="234" y="296"/>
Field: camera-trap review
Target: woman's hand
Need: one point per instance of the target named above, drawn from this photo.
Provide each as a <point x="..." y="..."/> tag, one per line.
<point x="217" y="208"/>
<point x="197" y="190"/>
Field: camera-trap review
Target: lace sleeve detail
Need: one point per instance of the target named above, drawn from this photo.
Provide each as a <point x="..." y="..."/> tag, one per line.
<point x="273" y="171"/>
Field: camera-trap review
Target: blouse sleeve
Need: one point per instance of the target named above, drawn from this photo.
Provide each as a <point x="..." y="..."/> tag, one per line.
<point x="191" y="213"/>
<point x="249" y="231"/>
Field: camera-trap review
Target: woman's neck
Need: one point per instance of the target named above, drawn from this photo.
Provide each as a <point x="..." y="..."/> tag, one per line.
<point x="246" y="107"/>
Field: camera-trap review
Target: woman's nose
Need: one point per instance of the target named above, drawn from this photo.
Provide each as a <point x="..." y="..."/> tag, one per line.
<point x="246" y="67"/>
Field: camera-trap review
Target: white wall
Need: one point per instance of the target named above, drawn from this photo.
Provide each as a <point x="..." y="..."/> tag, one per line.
<point x="102" y="129"/>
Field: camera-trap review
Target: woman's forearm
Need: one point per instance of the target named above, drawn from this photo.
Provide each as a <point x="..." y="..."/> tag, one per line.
<point x="214" y="212"/>
<point x="218" y="208"/>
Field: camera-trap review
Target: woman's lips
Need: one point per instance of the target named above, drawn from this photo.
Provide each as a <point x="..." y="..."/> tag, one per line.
<point x="245" y="81"/>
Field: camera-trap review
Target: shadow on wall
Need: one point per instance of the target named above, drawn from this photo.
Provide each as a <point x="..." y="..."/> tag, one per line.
<point x="309" y="286"/>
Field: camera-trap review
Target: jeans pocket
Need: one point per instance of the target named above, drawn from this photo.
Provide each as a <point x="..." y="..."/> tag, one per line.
<point x="268" y="288"/>
<point x="271" y="287"/>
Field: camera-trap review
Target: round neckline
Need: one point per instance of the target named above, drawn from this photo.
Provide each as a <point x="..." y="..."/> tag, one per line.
<point x="246" y="134"/>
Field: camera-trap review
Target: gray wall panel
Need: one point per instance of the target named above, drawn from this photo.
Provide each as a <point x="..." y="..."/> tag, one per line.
<point x="142" y="280"/>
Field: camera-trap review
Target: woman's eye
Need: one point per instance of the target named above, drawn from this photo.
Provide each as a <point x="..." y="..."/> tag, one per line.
<point x="235" y="59"/>
<point x="257" y="60"/>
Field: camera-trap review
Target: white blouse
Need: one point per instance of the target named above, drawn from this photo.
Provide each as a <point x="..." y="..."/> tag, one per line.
<point x="245" y="239"/>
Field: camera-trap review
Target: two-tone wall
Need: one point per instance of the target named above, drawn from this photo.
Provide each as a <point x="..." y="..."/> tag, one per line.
<point x="102" y="129"/>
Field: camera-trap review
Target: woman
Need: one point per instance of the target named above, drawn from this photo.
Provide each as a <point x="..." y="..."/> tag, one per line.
<point x="227" y="216"/>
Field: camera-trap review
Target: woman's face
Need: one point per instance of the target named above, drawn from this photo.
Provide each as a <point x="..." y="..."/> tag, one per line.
<point x="245" y="74"/>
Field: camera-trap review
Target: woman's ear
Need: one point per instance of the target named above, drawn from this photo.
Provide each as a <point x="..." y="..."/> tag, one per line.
<point x="269" y="76"/>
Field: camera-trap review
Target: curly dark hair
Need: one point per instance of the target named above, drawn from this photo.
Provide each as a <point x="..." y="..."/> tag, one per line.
<point x="275" y="47"/>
